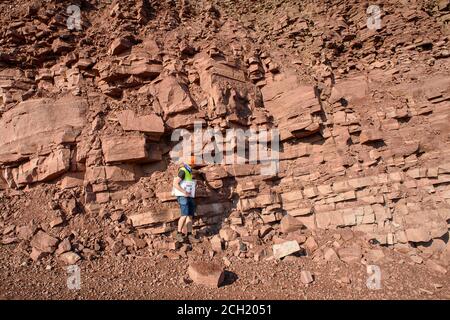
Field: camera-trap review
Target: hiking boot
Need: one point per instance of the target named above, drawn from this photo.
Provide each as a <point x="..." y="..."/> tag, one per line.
<point x="193" y="239"/>
<point x="179" y="237"/>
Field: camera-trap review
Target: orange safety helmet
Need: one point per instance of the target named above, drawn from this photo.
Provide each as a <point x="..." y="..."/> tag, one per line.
<point x="190" y="161"/>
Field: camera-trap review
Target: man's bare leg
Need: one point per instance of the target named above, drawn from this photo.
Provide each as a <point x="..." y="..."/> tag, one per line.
<point x="189" y="225"/>
<point x="181" y="225"/>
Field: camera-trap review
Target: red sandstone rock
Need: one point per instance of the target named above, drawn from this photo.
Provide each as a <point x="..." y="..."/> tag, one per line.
<point x="350" y="254"/>
<point x="147" y="218"/>
<point x="69" y="258"/>
<point x="119" y="45"/>
<point x="173" y="96"/>
<point x="289" y="224"/>
<point x="216" y="243"/>
<point x="35" y="124"/>
<point x="124" y="148"/>
<point x="151" y="124"/>
<point x="306" y="277"/>
<point x="206" y="273"/>
<point x="44" y="243"/>
<point x="330" y="255"/>
<point x="228" y="234"/>
<point x="285" y="248"/>
<point x="370" y="135"/>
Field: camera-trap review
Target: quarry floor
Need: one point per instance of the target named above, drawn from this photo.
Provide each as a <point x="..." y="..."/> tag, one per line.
<point x="153" y="278"/>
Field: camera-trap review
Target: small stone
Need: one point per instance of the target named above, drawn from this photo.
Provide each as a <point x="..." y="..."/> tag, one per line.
<point x="185" y="280"/>
<point x="206" y="273"/>
<point x="216" y="243"/>
<point x="311" y="244"/>
<point x="345" y="280"/>
<point x="438" y="285"/>
<point x="119" y="45"/>
<point x="306" y="277"/>
<point x="416" y="259"/>
<point x="64" y="246"/>
<point x="36" y="254"/>
<point x="330" y="255"/>
<point x="69" y="258"/>
<point x="228" y="234"/>
<point x="56" y="222"/>
<point x="265" y="229"/>
<point x="226" y="262"/>
<point x="351" y="254"/>
<point x="43" y="242"/>
<point x="374" y="255"/>
<point x="289" y="224"/>
<point x="284" y="249"/>
<point x="117" y="216"/>
<point x="297" y="236"/>
<point x="26" y="232"/>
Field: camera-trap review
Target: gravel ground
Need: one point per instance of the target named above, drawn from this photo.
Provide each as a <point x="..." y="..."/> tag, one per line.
<point x="162" y="278"/>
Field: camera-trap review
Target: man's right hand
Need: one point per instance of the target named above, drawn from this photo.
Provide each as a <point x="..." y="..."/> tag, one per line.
<point x="186" y="194"/>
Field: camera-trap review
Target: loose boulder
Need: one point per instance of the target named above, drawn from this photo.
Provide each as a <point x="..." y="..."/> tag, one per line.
<point x="206" y="273"/>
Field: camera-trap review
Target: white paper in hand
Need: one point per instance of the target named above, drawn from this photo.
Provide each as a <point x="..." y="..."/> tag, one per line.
<point x="188" y="186"/>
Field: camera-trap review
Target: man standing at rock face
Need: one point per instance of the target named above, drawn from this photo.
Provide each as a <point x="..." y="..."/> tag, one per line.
<point x="184" y="184"/>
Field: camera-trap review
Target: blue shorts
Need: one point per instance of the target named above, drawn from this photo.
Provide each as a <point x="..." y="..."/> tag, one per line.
<point x="187" y="206"/>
